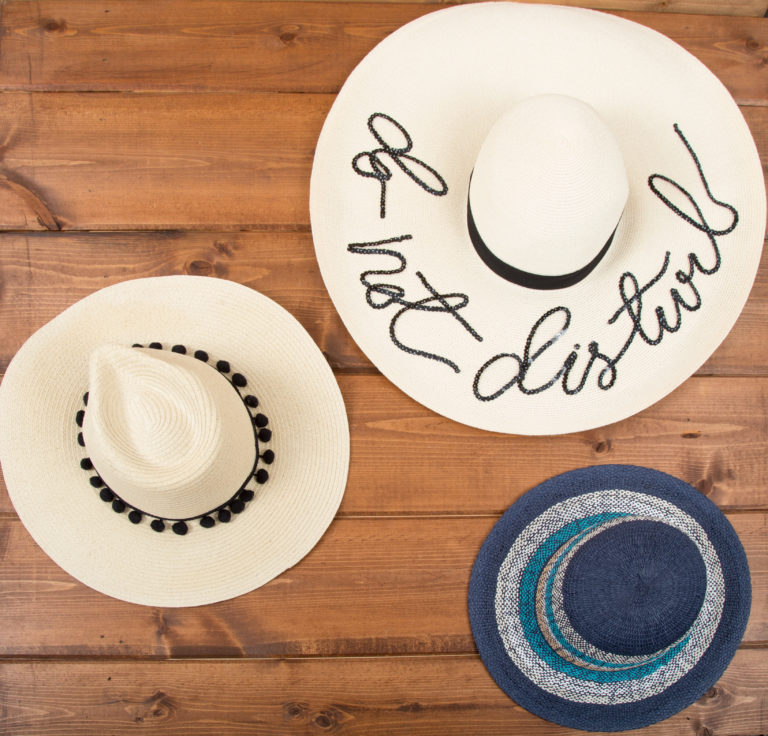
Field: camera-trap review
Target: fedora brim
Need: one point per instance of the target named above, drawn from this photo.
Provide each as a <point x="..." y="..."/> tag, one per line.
<point x="42" y="391"/>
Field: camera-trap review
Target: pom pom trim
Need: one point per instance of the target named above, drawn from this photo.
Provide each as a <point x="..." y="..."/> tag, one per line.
<point x="237" y="502"/>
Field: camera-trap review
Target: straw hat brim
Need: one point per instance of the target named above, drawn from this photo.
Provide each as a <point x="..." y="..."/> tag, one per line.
<point x="445" y="79"/>
<point x="42" y="391"/>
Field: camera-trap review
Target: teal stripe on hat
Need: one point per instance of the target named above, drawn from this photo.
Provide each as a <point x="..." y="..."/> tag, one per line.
<point x="557" y="633"/>
<point x="527" y="608"/>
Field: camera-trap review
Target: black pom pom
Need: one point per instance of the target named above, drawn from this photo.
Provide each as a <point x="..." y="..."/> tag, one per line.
<point x="156" y="346"/>
<point x="95" y="481"/>
<point x="260" y="420"/>
<point x="85" y="398"/>
<point x="251" y="401"/>
<point x="246" y="495"/>
<point x="79" y="418"/>
<point x="106" y="495"/>
<point x="207" y="522"/>
<point x="224" y="516"/>
<point x="201" y="355"/>
<point x="179" y="349"/>
<point x="268" y="457"/>
<point x="137" y="345"/>
<point x="265" y="435"/>
<point x="222" y="366"/>
<point x="86" y="464"/>
<point x="239" y="380"/>
<point x="118" y="506"/>
<point x="135" y="516"/>
<point x="262" y="476"/>
<point x="80" y="440"/>
<point x="157" y="525"/>
<point x="179" y="528"/>
<point x="237" y="507"/>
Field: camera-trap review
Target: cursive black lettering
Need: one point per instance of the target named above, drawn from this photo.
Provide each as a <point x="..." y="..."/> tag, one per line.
<point x="523" y="365"/>
<point x="398" y="155"/>
<point x="647" y="319"/>
<point x="632" y="295"/>
<point x="436" y="302"/>
<point x="632" y="301"/>
<point x="594" y="354"/>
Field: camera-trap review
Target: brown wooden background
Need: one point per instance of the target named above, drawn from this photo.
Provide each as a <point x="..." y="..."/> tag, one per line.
<point x="142" y="138"/>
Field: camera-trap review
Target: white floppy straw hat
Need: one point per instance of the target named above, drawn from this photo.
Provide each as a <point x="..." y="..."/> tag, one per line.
<point x="173" y="441"/>
<point x="536" y="219"/>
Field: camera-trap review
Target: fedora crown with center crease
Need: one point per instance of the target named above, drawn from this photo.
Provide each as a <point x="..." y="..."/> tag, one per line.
<point x="536" y="219"/>
<point x="167" y="432"/>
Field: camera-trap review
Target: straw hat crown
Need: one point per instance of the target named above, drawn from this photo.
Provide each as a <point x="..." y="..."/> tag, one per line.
<point x="549" y="185"/>
<point x="165" y="430"/>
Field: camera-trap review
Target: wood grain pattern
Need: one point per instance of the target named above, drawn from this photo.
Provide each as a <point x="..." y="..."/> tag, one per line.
<point x="368" y="635"/>
<point x="371" y="586"/>
<point x="385" y="696"/>
<point x="228" y="45"/>
<point x="170" y="161"/>
<point x="117" y="161"/>
<point x="42" y="274"/>
<point x="710" y="432"/>
<point x="406" y="460"/>
<point x="756" y="8"/>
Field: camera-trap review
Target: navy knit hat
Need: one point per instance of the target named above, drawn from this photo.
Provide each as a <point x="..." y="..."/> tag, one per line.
<point x="609" y="598"/>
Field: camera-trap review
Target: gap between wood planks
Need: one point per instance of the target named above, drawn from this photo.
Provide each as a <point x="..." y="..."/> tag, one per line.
<point x="90" y="658"/>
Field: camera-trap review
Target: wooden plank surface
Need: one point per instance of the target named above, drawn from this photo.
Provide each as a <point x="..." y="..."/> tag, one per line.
<point x="369" y="633"/>
<point x="385" y="696"/>
<point x="756" y="8"/>
<point x="43" y="273"/>
<point x="170" y="162"/>
<point x="176" y="161"/>
<point x="230" y="45"/>
<point x="406" y="460"/>
<point x="371" y="586"/>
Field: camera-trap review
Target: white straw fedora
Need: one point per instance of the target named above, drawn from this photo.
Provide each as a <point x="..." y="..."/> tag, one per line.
<point x="173" y="441"/>
<point x="536" y="219"/>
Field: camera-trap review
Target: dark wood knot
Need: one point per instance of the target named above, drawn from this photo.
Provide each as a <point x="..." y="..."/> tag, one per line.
<point x="324" y="720"/>
<point x="410" y="707"/>
<point x="157" y="707"/>
<point x="288" y="34"/>
<point x="199" y="268"/>
<point x="295" y="711"/>
<point x="51" y="25"/>
<point x="603" y="447"/>
<point x="328" y="719"/>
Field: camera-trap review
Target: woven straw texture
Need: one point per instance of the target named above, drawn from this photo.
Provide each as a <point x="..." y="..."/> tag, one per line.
<point x="609" y="598"/>
<point x="388" y="204"/>
<point x="42" y="393"/>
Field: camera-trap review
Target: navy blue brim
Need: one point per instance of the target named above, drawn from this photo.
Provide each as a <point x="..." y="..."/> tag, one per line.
<point x="627" y="715"/>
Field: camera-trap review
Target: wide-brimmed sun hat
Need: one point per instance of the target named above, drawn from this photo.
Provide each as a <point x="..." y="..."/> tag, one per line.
<point x="536" y="219"/>
<point x="173" y="441"/>
<point x="609" y="598"/>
